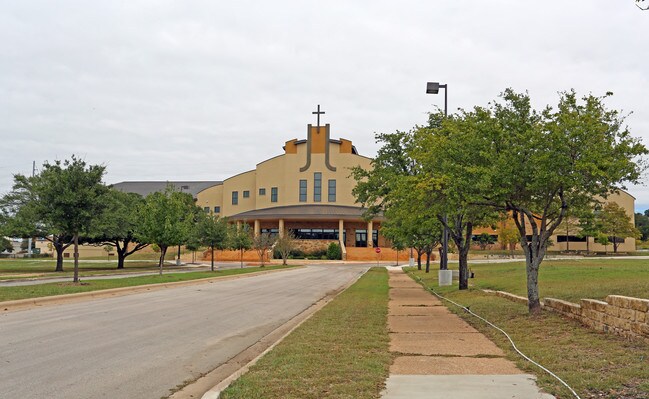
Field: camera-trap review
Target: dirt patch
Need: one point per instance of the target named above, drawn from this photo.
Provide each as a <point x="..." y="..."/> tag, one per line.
<point x="459" y="344"/>
<point x="438" y="365"/>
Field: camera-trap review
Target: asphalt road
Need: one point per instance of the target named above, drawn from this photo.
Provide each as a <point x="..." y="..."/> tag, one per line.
<point x="143" y="345"/>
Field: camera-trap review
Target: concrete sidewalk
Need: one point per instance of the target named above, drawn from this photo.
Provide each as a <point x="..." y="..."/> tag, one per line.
<point x="439" y="355"/>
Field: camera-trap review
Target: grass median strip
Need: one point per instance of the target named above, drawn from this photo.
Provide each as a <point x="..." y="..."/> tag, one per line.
<point x="49" y="289"/>
<point x="596" y="365"/>
<point x="340" y="352"/>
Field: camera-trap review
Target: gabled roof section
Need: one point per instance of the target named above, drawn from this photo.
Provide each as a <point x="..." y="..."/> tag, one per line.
<point x="145" y="188"/>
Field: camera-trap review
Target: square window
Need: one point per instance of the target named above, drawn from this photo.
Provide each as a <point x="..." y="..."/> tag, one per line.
<point x="246" y="194"/>
<point x="217" y="209"/>
<point x="262" y="191"/>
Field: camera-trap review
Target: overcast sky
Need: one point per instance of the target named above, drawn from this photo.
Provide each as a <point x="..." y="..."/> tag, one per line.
<point x="203" y="90"/>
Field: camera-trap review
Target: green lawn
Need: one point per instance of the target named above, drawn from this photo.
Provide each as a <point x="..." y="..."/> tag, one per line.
<point x="340" y="352"/>
<point x="41" y="290"/>
<point x="569" y="279"/>
<point x="596" y="365"/>
<point x="37" y="268"/>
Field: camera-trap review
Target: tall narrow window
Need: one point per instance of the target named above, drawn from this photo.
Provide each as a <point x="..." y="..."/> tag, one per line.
<point x="235" y="197"/>
<point x="302" y="190"/>
<point x="317" y="186"/>
<point x="273" y="194"/>
<point x="331" y="191"/>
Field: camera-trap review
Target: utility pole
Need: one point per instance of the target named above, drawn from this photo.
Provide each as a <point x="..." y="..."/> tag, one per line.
<point x="29" y="240"/>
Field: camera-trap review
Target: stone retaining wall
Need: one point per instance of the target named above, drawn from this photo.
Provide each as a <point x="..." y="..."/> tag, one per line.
<point x="620" y="315"/>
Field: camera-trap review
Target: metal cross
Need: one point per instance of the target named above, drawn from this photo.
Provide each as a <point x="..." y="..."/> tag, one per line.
<point x="318" y="113"/>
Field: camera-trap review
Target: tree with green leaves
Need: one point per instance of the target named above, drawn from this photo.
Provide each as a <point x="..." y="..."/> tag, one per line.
<point x="166" y="219"/>
<point x="642" y="224"/>
<point x="240" y="239"/>
<point x="119" y="224"/>
<point x="388" y="188"/>
<point x="410" y="221"/>
<point x="6" y="245"/>
<point x="212" y="231"/>
<point x="508" y="235"/>
<point x="23" y="214"/>
<point x="484" y="240"/>
<point x="64" y="199"/>
<point x="589" y="224"/>
<point x="617" y="224"/>
<point x="543" y="164"/>
<point x="452" y="164"/>
<point x="285" y="244"/>
<point x="602" y="239"/>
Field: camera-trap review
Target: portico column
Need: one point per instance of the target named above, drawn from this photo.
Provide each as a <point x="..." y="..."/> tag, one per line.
<point x="281" y="227"/>
<point x="341" y="230"/>
<point x="238" y="225"/>
<point x="370" y="242"/>
<point x="257" y="228"/>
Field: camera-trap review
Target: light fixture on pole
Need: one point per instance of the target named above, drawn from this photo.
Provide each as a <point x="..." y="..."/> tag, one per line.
<point x="433" y="88"/>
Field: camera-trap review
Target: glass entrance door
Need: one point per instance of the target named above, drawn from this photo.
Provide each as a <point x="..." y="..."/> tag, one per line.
<point x="361" y="238"/>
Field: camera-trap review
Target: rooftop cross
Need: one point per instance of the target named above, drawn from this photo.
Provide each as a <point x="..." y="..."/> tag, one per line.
<point x="318" y="113"/>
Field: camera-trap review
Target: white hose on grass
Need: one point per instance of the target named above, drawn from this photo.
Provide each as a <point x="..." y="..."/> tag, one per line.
<point x="466" y="309"/>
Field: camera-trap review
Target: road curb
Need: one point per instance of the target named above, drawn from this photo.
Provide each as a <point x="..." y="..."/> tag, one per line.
<point x="23" y="304"/>
<point x="242" y="361"/>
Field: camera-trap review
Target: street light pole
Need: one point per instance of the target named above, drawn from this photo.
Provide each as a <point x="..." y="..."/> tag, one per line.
<point x="433" y="88"/>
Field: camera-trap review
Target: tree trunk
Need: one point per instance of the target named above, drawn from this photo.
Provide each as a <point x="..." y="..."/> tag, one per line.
<point x="463" y="255"/>
<point x="418" y="260"/>
<point x="120" y="259"/>
<point x="532" y="263"/>
<point x="76" y="259"/>
<point x="428" y="261"/>
<point x="241" y="257"/>
<point x="212" y="256"/>
<point x="163" y="252"/>
<point x="59" y="256"/>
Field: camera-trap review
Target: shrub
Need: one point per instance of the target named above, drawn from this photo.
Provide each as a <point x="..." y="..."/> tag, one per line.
<point x="334" y="252"/>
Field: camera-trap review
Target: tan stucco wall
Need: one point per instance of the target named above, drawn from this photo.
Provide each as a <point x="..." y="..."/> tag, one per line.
<point x="283" y="172"/>
<point x="211" y="197"/>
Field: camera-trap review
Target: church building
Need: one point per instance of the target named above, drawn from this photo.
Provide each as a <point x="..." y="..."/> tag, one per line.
<point x="306" y="190"/>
